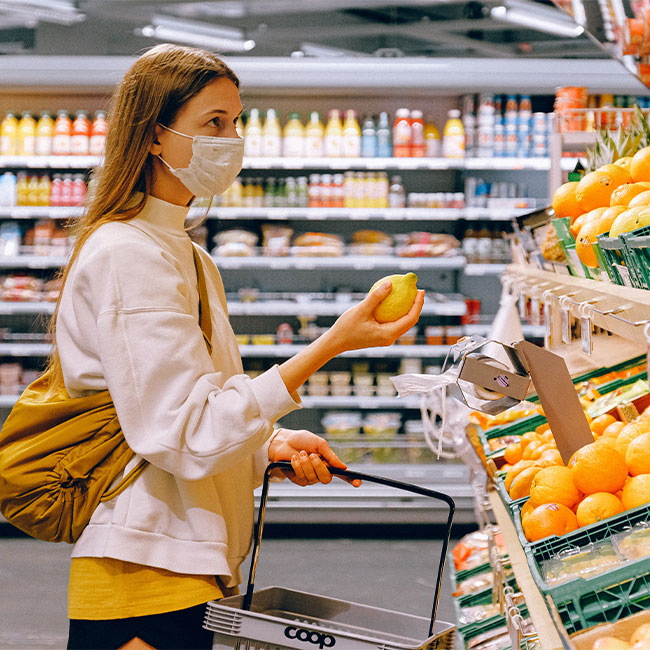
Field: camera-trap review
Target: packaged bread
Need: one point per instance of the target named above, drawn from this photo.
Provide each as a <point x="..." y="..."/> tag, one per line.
<point x="427" y="244"/>
<point x="317" y="244"/>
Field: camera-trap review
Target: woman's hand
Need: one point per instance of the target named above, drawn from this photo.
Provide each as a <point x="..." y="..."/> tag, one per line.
<point x="357" y="328"/>
<point x="309" y="454"/>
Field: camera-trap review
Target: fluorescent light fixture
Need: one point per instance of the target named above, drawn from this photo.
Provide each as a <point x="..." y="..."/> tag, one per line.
<point x="49" y="11"/>
<point x="315" y="49"/>
<point x="198" y="34"/>
<point x="551" y="22"/>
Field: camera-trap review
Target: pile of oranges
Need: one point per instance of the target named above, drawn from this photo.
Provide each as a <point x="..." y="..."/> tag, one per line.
<point x="615" y="198"/>
<point x="602" y="479"/>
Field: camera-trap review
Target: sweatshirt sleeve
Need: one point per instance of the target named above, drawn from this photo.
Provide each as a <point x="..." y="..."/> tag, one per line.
<point x="176" y="410"/>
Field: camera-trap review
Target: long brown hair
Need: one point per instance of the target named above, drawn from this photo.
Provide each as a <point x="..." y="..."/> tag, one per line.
<point x="152" y="91"/>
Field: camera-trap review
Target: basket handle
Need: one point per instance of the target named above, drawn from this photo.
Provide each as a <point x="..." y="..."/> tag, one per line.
<point x="352" y="475"/>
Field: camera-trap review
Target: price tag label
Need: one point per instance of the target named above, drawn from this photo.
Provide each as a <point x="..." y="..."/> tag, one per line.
<point x="585" y="336"/>
<point x="625" y="274"/>
<point x="534" y="308"/>
<point x="522" y="306"/>
<point x="548" y="326"/>
<point x="576" y="263"/>
<point x="566" y="326"/>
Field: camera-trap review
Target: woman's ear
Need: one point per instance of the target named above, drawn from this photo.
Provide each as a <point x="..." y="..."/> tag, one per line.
<point x="156" y="148"/>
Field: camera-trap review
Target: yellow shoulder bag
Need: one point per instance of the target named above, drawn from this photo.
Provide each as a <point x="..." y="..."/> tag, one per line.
<point x="59" y="456"/>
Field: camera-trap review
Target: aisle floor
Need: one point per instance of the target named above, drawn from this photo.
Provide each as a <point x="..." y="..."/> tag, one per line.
<point x="394" y="574"/>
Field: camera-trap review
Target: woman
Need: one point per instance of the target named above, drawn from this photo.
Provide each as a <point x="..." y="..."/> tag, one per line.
<point x="128" y="320"/>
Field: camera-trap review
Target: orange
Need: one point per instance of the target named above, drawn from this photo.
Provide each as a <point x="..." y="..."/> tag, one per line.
<point x="595" y="189"/>
<point x="618" y="171"/>
<point x="637" y="455"/>
<point x="512" y="454"/>
<point x="598" y="468"/>
<point x="623" y="194"/>
<point x="610" y="643"/>
<point x="514" y="471"/>
<point x="527" y="438"/>
<point x="531" y="452"/>
<point x="555" y="485"/>
<point x="549" y="519"/>
<point x="640" y="200"/>
<point x="624" y="162"/>
<point x="587" y="236"/>
<point x="596" y="507"/>
<point x="640" y="165"/>
<point x="520" y="487"/>
<point x="642" y="633"/>
<point x="628" y="433"/>
<point x="600" y="423"/>
<point x="613" y="430"/>
<point x="578" y="223"/>
<point x="549" y="457"/>
<point x="565" y="203"/>
<point x="526" y="509"/>
<point x="637" y="491"/>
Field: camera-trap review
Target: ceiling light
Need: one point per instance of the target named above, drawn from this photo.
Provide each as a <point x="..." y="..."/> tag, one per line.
<point x="198" y="34"/>
<point x="548" y="22"/>
<point x="49" y="11"/>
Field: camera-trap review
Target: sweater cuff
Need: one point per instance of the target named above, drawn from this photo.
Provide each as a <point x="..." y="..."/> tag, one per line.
<point x="272" y="395"/>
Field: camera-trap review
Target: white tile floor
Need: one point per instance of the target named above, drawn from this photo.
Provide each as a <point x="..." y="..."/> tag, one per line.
<point x="395" y="574"/>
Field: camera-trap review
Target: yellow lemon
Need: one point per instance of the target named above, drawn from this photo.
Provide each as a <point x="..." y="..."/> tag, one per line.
<point x="400" y="299"/>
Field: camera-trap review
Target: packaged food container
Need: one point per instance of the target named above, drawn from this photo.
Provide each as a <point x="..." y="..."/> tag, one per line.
<point x="344" y="424"/>
<point x="409" y="337"/>
<point x="340" y="390"/>
<point x="454" y="334"/>
<point x="435" y="335"/>
<point x="363" y="379"/>
<point x="340" y="378"/>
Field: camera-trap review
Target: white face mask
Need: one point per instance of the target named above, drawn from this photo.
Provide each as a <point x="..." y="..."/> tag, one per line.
<point x="214" y="165"/>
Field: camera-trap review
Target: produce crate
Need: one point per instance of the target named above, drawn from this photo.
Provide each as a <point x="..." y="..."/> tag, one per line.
<point x="611" y="249"/>
<point x="516" y="428"/>
<point x="636" y="253"/>
<point x="568" y="246"/>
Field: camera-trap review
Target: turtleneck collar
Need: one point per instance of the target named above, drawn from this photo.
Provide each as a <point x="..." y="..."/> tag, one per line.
<point x="165" y="216"/>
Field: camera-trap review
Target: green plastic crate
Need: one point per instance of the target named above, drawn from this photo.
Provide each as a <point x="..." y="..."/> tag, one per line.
<point x="516" y="428"/>
<point x="568" y="246"/>
<point x="636" y="253"/>
<point x="611" y="249"/>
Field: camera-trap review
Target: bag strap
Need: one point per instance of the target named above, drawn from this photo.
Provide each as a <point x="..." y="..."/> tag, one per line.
<point x="205" y="319"/>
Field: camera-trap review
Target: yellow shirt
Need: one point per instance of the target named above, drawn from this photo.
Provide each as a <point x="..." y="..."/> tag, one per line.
<point x="103" y="588"/>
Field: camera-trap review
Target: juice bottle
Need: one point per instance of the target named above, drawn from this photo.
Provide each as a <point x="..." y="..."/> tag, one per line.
<point x="66" y="190"/>
<point x="7" y="189"/>
<point x="418" y="146"/>
<point x="351" y="135"/>
<point x="396" y="194"/>
<point x="384" y="138"/>
<point x="44" y="133"/>
<point x="453" y="136"/>
<point x="333" y="139"/>
<point x="253" y="135"/>
<point x="43" y="190"/>
<point x="314" y="136"/>
<point x="98" y="132"/>
<point x="78" y="190"/>
<point x="26" y="140"/>
<point x="21" y="188"/>
<point x="402" y="134"/>
<point x="31" y="190"/>
<point x="271" y="135"/>
<point x="432" y="140"/>
<point x="80" y="138"/>
<point x="368" y="138"/>
<point x="293" y="137"/>
<point x="61" y="140"/>
<point x="9" y="135"/>
<point x="55" y="190"/>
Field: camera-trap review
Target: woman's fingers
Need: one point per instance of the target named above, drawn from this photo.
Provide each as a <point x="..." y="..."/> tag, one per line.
<point x="322" y="473"/>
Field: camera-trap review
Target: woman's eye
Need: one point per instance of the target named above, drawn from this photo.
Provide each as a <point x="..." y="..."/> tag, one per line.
<point x="215" y="122"/>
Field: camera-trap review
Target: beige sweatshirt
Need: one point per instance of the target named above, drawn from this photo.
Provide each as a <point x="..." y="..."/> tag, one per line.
<point x="128" y="321"/>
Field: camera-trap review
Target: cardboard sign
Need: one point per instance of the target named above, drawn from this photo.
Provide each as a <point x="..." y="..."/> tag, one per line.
<point x="558" y="397"/>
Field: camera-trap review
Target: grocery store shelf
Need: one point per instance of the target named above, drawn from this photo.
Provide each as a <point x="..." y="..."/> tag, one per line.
<point x="371" y="75"/>
<point x="568" y="164"/>
<point x="32" y="261"/>
<point x="621" y="310"/>
<point x="529" y="331"/>
<point x="352" y="262"/>
<point x="355" y="402"/>
<point x="340" y="503"/>
<point x="16" y="308"/>
<point x="548" y="636"/>
<point x="25" y="349"/>
<point x="368" y="214"/>
<point x="485" y="269"/>
<point x="326" y="308"/>
<point x="49" y="162"/>
<point x="40" y="212"/>
<point x="394" y="351"/>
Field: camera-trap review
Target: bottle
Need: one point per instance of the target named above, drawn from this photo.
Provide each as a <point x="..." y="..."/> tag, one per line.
<point x="98" y="132"/>
<point x="384" y="137"/>
<point x="351" y="135"/>
<point x="258" y="193"/>
<point x="55" y="190"/>
<point x="314" y="136"/>
<point x="432" y="140"/>
<point x="80" y="138"/>
<point x="9" y="135"/>
<point x="43" y="190"/>
<point x="44" y="133"/>
<point x="484" y="245"/>
<point x="269" y="192"/>
<point x="293" y="137"/>
<point x="61" y="139"/>
<point x="253" y="135"/>
<point x="26" y="145"/>
<point x="402" y="134"/>
<point x="396" y="194"/>
<point x="271" y="135"/>
<point x="453" y="136"/>
<point x="8" y="189"/>
<point x="78" y="190"/>
<point x="368" y="138"/>
<point x="31" y="190"/>
<point x="382" y="189"/>
<point x="302" y="192"/>
<point x="66" y="190"/>
<point x="21" y="188"/>
<point x="419" y="146"/>
<point x="470" y="246"/>
<point x="333" y="139"/>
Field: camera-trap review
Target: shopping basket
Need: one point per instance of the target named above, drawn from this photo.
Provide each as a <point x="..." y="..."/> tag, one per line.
<point x="276" y="618"/>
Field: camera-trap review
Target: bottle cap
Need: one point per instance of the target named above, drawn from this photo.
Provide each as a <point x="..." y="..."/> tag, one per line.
<point x="402" y="112"/>
<point x="294" y="116"/>
<point x="454" y="114"/>
<point x="416" y="114"/>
